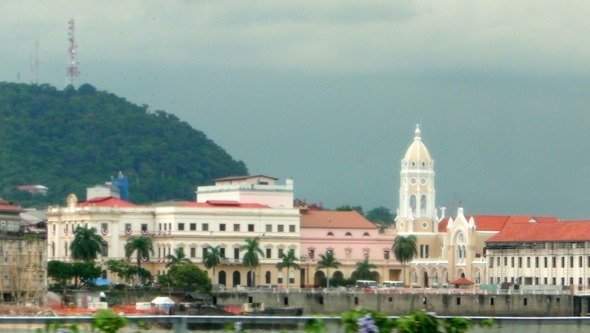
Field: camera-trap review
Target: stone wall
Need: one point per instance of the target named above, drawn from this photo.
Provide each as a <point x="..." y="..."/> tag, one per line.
<point x="490" y="305"/>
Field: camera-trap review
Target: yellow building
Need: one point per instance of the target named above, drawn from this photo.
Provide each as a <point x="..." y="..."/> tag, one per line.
<point x="448" y="248"/>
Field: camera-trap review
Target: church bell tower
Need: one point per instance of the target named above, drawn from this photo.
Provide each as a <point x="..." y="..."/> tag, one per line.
<point x="417" y="209"/>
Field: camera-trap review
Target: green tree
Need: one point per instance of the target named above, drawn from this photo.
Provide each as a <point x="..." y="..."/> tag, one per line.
<point x="177" y="258"/>
<point x="142" y="246"/>
<point x="86" y="245"/>
<point x="404" y="249"/>
<point x="189" y="276"/>
<point x="363" y="270"/>
<point x="348" y="208"/>
<point x="288" y="261"/>
<point x="60" y="272"/>
<point x="121" y="268"/>
<point x="250" y="259"/>
<point x="212" y="258"/>
<point x="83" y="271"/>
<point x="328" y="261"/>
<point x="381" y="215"/>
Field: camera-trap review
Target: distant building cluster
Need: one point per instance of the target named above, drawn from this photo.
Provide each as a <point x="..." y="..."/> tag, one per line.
<point x="488" y="250"/>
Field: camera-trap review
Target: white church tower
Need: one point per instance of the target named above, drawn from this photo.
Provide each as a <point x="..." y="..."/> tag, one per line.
<point x="417" y="208"/>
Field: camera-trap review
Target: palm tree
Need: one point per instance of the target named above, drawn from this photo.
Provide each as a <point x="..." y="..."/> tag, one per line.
<point x="212" y="258"/>
<point x="251" y="256"/>
<point x="404" y="249"/>
<point x="177" y="258"/>
<point x="363" y="270"/>
<point x="87" y="244"/>
<point x="142" y="246"/>
<point x="289" y="261"/>
<point x="328" y="261"/>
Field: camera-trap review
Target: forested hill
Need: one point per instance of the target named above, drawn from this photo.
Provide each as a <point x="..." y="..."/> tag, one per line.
<point x="71" y="139"/>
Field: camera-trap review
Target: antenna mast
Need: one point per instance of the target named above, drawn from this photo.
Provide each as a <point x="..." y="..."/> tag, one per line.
<point x="72" y="67"/>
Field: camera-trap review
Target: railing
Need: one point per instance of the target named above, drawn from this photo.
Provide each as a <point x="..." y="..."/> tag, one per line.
<point x="180" y="323"/>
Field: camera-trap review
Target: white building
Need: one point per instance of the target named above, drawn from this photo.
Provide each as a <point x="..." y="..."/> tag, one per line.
<point x="221" y="217"/>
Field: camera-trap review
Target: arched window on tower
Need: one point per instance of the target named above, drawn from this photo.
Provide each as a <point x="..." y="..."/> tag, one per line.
<point x="413" y="203"/>
<point x="423" y="204"/>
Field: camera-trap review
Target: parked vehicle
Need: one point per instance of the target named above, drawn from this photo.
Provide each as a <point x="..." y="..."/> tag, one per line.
<point x="364" y="284"/>
<point x="393" y="284"/>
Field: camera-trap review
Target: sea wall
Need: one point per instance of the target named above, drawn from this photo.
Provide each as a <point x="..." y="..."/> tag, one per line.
<point x="492" y="305"/>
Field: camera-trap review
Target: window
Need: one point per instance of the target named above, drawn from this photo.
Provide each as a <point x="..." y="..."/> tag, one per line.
<point x="571" y="261"/>
<point x="545" y="262"/>
<point x="144" y="228"/>
<point x="205" y="226"/>
<point x="280" y="228"/>
<point x="193" y="226"/>
<point x="222" y="252"/>
<point x="291" y="228"/>
<point x="251" y="227"/>
<point x="554" y="262"/>
<point x="268" y="253"/>
<point x="536" y="262"/>
<point x="127" y="227"/>
<point x="193" y="252"/>
<point x="180" y="226"/>
<point x="222" y="227"/>
<point x="348" y="234"/>
<point x="423" y="251"/>
<point x="386" y="254"/>
<point x="281" y="252"/>
<point x="528" y="262"/>
<point x="330" y="233"/>
<point x="280" y="278"/>
<point x="519" y="262"/>
<point x="562" y="263"/>
<point x="366" y="234"/>
<point x="236" y="227"/>
<point x="205" y="250"/>
<point x="104" y="228"/>
<point x="511" y="261"/>
<point x="104" y="249"/>
<point x="268" y="228"/>
<point x="236" y="253"/>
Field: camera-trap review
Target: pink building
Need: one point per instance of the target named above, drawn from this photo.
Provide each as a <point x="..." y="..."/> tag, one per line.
<point x="351" y="238"/>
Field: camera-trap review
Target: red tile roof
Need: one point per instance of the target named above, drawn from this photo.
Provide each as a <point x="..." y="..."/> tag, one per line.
<point x="442" y="225"/>
<point x="548" y="231"/>
<point x="496" y="222"/>
<point x="334" y="220"/>
<point x="222" y="203"/>
<point x="106" y="202"/>
<point x="5" y="206"/>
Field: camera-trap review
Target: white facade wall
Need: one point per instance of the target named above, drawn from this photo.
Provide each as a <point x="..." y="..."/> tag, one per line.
<point x="559" y="263"/>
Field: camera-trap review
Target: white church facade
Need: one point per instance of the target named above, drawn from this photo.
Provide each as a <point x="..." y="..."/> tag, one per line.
<point x="448" y="248"/>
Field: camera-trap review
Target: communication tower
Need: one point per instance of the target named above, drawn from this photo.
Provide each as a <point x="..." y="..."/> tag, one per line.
<point x="72" y="67"/>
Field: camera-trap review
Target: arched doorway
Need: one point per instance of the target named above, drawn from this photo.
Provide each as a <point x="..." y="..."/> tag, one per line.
<point x="236" y="278"/>
<point x="222" y="277"/>
<point x="250" y="278"/>
<point x="425" y="279"/>
<point x="318" y="277"/>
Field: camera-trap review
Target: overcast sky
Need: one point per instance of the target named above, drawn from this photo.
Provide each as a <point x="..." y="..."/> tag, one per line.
<point x="328" y="92"/>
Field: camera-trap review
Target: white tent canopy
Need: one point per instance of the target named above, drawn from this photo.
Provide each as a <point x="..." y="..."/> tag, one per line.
<point x="162" y="300"/>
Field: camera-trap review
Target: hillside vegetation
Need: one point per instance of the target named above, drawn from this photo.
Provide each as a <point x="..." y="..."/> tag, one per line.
<point x="71" y="139"/>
